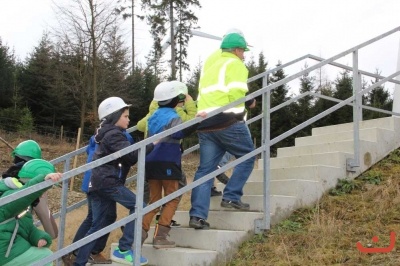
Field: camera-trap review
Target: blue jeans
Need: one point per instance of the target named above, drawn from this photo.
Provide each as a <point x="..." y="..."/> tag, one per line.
<point x="87" y="223"/>
<point x="236" y="140"/>
<point x="102" y="201"/>
<point x="225" y="159"/>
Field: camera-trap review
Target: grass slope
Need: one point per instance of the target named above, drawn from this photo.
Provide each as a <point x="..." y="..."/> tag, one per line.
<point x="356" y="210"/>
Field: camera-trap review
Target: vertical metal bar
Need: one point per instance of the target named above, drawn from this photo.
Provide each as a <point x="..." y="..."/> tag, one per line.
<point x="396" y="93"/>
<point x="360" y="110"/>
<point x="266" y="107"/>
<point x="356" y="109"/>
<point x="139" y="204"/>
<point x="63" y="210"/>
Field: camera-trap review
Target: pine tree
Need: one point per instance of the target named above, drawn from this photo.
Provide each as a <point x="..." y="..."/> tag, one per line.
<point x="303" y="109"/>
<point x="176" y="12"/>
<point x="343" y="90"/>
<point x="282" y="119"/>
<point x="7" y="74"/>
<point x="378" y="98"/>
<point x="255" y="69"/>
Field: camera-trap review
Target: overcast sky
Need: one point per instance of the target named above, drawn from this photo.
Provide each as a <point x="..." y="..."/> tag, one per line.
<point x="283" y="30"/>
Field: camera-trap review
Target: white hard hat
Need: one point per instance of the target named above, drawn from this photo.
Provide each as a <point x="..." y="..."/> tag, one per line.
<point x="167" y="90"/>
<point x="180" y="86"/>
<point x="111" y="105"/>
<point x="234" y="30"/>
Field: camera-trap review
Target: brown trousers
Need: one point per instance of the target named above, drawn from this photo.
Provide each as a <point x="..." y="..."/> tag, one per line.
<point x="168" y="210"/>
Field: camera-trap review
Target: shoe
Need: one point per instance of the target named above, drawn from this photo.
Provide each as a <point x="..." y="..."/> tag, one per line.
<point x="223" y="178"/>
<point x="173" y="222"/>
<point x="68" y="259"/>
<point x="160" y="237"/>
<point x="198" y="223"/>
<point x="127" y="257"/>
<point x="235" y="204"/>
<point x="215" y="192"/>
<point x="98" y="259"/>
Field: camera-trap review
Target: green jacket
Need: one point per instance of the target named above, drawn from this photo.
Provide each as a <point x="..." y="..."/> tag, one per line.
<point x="27" y="234"/>
<point x="187" y="112"/>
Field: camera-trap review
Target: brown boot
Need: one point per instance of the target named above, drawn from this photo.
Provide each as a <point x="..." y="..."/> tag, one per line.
<point x="160" y="237"/>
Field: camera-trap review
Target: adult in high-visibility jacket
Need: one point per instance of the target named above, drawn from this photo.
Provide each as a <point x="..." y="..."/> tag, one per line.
<point x="221" y="83"/>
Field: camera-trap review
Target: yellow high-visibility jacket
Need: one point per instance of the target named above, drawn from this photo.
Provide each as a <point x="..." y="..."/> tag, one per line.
<point x="223" y="81"/>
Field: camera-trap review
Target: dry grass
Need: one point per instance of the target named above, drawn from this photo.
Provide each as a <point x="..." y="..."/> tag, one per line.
<point x="327" y="234"/>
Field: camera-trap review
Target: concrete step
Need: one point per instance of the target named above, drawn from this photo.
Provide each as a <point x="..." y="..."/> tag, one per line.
<point x="305" y="191"/>
<point x="175" y="256"/>
<point x="277" y="187"/>
<point x="305" y="172"/>
<point x="370" y="134"/>
<point x="223" y="241"/>
<point x="346" y="146"/>
<point x="224" y="220"/>
<point x="335" y="158"/>
<point x="386" y="122"/>
<point x="256" y="203"/>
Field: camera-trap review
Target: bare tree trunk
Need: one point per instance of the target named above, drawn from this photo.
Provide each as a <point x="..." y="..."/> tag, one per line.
<point x="133" y="37"/>
<point x="171" y="19"/>
<point x="94" y="57"/>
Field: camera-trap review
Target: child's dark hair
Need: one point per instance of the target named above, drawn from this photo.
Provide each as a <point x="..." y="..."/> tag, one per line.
<point x="172" y="103"/>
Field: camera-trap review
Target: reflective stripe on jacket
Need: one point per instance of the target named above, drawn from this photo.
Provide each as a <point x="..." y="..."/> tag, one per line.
<point x="223" y="82"/>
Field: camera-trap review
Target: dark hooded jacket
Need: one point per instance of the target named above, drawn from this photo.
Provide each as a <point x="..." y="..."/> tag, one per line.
<point x="112" y="139"/>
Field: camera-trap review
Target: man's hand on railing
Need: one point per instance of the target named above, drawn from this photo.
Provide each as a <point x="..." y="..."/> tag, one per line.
<point x="201" y="114"/>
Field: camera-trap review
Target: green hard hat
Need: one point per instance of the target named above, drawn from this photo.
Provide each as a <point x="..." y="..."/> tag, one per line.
<point x="35" y="167"/>
<point x="28" y="150"/>
<point x="234" y="40"/>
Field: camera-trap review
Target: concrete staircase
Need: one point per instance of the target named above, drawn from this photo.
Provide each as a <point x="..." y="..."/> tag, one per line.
<point x="300" y="175"/>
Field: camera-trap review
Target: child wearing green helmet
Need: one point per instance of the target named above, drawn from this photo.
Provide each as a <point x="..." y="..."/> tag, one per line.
<point x="24" y="152"/>
<point x="21" y="242"/>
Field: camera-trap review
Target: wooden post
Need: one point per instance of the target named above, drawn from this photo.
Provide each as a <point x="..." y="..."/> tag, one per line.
<point x="78" y="139"/>
<point x="61" y="132"/>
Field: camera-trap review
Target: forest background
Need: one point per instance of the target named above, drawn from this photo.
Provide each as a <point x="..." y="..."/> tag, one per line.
<point x="83" y="60"/>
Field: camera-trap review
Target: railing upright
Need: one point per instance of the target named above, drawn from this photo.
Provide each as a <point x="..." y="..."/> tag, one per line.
<point x="63" y="210"/>
<point x="139" y="204"/>
<point x="265" y="224"/>
<point x="353" y="163"/>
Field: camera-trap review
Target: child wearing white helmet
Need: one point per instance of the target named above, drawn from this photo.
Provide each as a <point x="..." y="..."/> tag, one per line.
<point x="107" y="181"/>
<point x="163" y="164"/>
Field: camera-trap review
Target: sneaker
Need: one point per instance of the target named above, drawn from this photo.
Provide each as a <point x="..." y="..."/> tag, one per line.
<point x="223" y="178"/>
<point x="126" y="257"/>
<point x="98" y="259"/>
<point x="68" y="259"/>
<point x="215" y="192"/>
<point x="235" y="204"/>
<point x="174" y="224"/>
<point x="198" y="223"/>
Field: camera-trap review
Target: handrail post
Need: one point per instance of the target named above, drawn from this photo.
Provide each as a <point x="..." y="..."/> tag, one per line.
<point x="139" y="204"/>
<point x="396" y="93"/>
<point x="63" y="209"/>
<point x="265" y="223"/>
<point x="353" y="163"/>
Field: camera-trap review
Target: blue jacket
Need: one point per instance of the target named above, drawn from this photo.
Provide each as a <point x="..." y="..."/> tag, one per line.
<point x="164" y="162"/>
<point x="111" y="139"/>
<point x="90" y="149"/>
